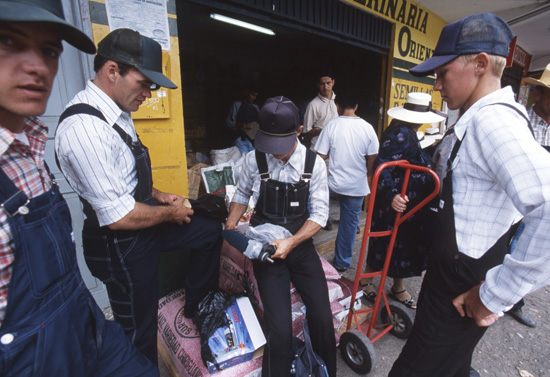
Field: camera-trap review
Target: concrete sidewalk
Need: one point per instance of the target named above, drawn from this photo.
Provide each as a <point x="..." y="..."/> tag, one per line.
<point x="506" y="349"/>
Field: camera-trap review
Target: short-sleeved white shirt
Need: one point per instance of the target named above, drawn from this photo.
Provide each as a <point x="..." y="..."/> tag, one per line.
<point x="348" y="141"/>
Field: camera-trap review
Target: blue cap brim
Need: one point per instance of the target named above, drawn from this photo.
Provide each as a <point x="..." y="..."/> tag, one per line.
<point x="428" y="66"/>
<point x="274" y="144"/>
<point x="16" y="12"/>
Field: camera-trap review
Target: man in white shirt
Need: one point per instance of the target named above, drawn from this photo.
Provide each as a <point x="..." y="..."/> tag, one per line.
<point x="351" y="146"/>
<point x="495" y="175"/>
<point x="128" y="221"/>
<point x="320" y="110"/>
<point x="289" y="185"/>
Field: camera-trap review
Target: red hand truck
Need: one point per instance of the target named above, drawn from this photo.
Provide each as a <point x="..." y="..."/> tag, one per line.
<point x="356" y="345"/>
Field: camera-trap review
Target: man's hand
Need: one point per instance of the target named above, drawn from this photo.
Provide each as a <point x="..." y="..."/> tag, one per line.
<point x="179" y="212"/>
<point x="284" y="246"/>
<point x="470" y="304"/>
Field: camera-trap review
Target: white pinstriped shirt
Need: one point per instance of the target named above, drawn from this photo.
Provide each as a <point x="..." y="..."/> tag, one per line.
<point x="249" y="180"/>
<point x="95" y="160"/>
<point x="541" y="129"/>
<point x="500" y="175"/>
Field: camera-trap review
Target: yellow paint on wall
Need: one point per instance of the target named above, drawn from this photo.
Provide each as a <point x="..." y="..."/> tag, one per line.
<point x="164" y="137"/>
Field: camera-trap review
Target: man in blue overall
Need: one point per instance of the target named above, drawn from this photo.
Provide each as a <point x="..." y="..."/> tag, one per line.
<point x="128" y="221"/>
<point x="493" y="173"/>
<point x="50" y="324"/>
<point x="283" y="176"/>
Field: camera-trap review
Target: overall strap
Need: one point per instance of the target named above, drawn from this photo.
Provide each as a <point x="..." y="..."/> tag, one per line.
<point x="78" y="108"/>
<point x="81" y="108"/>
<point x="310" y="163"/>
<point x="261" y="161"/>
<point x="12" y="199"/>
<point x="519" y="112"/>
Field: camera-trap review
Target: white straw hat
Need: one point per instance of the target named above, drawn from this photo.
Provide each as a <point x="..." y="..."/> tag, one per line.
<point x="544" y="79"/>
<point x="417" y="109"/>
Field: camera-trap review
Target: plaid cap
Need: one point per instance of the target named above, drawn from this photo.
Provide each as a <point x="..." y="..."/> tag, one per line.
<point x="143" y="53"/>
<point x="483" y="32"/>
<point x="49" y="11"/>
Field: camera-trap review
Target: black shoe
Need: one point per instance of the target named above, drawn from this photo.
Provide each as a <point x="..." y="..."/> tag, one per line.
<point x="474" y="373"/>
<point x="522" y="317"/>
<point x="341" y="270"/>
<point x="328" y="226"/>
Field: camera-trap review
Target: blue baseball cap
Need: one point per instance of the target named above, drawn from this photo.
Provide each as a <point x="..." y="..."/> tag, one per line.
<point x="279" y="122"/>
<point x="483" y="32"/>
<point x="50" y="11"/>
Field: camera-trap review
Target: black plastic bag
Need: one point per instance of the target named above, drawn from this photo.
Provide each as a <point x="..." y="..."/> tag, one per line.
<point x="209" y="317"/>
<point x="306" y="363"/>
<point x="210" y="206"/>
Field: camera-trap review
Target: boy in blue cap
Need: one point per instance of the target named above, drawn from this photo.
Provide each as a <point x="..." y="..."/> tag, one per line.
<point x="50" y="323"/>
<point x="493" y="173"/>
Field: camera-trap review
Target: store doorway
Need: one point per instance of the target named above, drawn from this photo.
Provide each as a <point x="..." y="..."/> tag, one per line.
<point x="219" y="60"/>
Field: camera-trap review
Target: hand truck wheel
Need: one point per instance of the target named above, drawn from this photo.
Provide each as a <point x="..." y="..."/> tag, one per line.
<point x="357" y="351"/>
<point x="402" y="319"/>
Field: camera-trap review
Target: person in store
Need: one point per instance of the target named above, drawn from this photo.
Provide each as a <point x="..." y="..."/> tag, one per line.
<point x="249" y="97"/>
<point x="128" y="221"/>
<point x="493" y="174"/>
<point x="50" y="323"/>
<point x="320" y="109"/>
<point x="247" y="119"/>
<point x="351" y="145"/>
<point x="410" y="252"/>
<point x="282" y="170"/>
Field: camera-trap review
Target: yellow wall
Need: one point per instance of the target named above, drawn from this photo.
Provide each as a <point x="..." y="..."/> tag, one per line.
<point x="416" y="33"/>
<point x="163" y="134"/>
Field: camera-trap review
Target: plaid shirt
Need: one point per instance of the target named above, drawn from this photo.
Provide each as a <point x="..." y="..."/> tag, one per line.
<point x="24" y="165"/>
<point x="540" y="128"/>
<point x="500" y="175"/>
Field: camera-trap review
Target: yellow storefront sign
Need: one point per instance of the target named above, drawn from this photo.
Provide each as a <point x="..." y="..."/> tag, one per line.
<point x="417" y="30"/>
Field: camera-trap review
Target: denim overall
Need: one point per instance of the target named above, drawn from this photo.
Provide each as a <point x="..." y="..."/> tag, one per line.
<point x="52" y="325"/>
<point x="285" y="204"/>
<point x="442" y="342"/>
<point x="127" y="262"/>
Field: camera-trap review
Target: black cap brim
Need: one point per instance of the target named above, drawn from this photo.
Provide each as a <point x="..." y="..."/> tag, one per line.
<point x="157" y="77"/>
<point x="16" y="12"/>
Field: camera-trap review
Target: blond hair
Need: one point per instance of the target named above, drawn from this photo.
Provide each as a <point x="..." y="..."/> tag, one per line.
<point x="497" y="62"/>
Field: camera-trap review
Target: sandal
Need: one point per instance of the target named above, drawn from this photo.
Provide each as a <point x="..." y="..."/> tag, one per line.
<point x="410" y="302"/>
<point x="370" y="296"/>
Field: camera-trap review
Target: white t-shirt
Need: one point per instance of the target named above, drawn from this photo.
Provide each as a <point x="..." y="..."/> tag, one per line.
<point x="348" y="141"/>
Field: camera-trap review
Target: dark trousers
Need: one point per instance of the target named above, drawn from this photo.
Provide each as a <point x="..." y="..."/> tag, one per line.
<point x="303" y="268"/>
<point x="442" y="343"/>
<point x="128" y="264"/>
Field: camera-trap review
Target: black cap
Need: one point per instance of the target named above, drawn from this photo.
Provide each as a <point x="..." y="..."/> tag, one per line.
<point x="279" y="122"/>
<point x="143" y="53"/>
<point x="50" y="11"/>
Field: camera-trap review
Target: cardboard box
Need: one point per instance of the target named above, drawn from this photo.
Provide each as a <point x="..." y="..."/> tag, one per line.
<point x="237" y="341"/>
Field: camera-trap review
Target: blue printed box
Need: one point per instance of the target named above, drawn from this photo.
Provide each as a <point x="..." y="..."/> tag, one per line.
<point x="241" y="336"/>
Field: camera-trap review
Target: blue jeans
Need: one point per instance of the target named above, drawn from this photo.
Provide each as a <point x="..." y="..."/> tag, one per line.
<point x="350" y="208"/>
